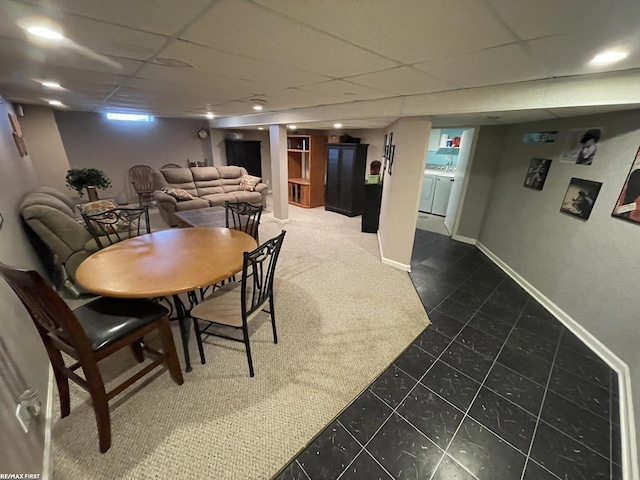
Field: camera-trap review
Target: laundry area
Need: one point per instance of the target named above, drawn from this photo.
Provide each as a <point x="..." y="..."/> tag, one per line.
<point x="442" y="179"/>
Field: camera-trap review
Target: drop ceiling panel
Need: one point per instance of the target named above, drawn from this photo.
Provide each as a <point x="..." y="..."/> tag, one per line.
<point x="402" y="81"/>
<point x="538" y="18"/>
<point x="235" y="88"/>
<point x="570" y="54"/>
<point x="235" y="66"/>
<point x="408" y="32"/>
<point x="158" y="16"/>
<point x="504" y="64"/>
<point x="347" y="91"/>
<point x="248" y="29"/>
<point x="593" y="110"/>
<point x="295" y="98"/>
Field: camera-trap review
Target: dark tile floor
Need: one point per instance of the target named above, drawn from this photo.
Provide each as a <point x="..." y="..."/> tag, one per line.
<point x="495" y="388"/>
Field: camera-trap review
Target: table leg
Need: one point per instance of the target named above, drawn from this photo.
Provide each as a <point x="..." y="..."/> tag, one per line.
<point x="184" y="330"/>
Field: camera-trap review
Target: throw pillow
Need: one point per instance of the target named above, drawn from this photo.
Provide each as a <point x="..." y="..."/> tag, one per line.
<point x="98" y="206"/>
<point x="248" y="183"/>
<point x="177" y="193"/>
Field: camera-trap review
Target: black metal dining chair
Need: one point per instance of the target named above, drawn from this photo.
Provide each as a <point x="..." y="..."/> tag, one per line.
<point x="117" y="224"/>
<point x="235" y="304"/>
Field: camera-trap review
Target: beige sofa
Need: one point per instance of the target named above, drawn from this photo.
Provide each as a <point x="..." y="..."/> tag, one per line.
<point x="209" y="186"/>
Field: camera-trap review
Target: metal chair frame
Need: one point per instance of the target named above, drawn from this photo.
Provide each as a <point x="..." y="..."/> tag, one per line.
<point x="108" y="225"/>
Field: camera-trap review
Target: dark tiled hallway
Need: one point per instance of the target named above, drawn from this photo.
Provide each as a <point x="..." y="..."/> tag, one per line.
<point x="494" y="388"/>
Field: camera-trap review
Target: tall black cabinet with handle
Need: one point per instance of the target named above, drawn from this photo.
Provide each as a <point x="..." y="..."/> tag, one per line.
<point x="346" y="164"/>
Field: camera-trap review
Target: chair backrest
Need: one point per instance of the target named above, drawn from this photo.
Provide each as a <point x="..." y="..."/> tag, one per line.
<point x="170" y="165"/>
<point x="117" y="224"/>
<point x="54" y="320"/>
<point x="141" y="178"/>
<point x="258" y="271"/>
<point x="244" y="217"/>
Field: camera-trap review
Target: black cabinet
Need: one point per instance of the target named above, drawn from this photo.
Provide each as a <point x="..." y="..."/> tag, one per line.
<point x="346" y="163"/>
<point x="371" y="209"/>
<point x="245" y="153"/>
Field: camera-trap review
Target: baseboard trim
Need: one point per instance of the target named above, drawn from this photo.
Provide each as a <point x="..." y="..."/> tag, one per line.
<point x="463" y="239"/>
<point x="47" y="456"/>
<point x="393" y="263"/>
<point x="282" y="221"/>
<point x="627" y="423"/>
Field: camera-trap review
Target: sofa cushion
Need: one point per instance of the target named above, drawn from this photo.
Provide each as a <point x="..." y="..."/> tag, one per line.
<point x="248" y="183"/>
<point x="207" y="180"/>
<point x="219" y="199"/>
<point x="191" y="204"/>
<point x="54" y="192"/>
<point x="180" y="178"/>
<point x="179" y="194"/>
<point x="97" y="206"/>
<point x="254" y="198"/>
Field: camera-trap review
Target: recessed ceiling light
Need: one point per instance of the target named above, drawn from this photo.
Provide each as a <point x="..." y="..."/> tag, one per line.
<point x="257" y="107"/>
<point x="44" y="32"/>
<point x="209" y="115"/>
<point x="337" y="125"/>
<point x="292" y="127"/>
<point x="260" y="128"/>
<point x="608" y="57"/>
<point x="51" y="84"/>
<point x="55" y="103"/>
<point x="258" y="103"/>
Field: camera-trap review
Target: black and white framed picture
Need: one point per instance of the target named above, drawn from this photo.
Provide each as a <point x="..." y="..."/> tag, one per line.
<point x="628" y="204"/>
<point x="581" y="146"/>
<point x="537" y="173"/>
<point x="580" y="197"/>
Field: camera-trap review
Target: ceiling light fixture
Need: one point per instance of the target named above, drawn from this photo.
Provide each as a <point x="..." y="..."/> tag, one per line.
<point x="209" y="115"/>
<point x="55" y="103"/>
<point x="258" y="104"/>
<point x="608" y="57"/>
<point x="337" y="125"/>
<point x="44" y="32"/>
<point x="51" y="84"/>
<point x="293" y="127"/>
<point x="260" y="128"/>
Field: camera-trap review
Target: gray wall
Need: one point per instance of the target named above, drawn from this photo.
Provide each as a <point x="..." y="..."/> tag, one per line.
<point x="17" y="177"/>
<point x="587" y="268"/>
<point x="90" y="140"/>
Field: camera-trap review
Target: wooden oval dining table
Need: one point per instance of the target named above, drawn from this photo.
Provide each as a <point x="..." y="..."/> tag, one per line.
<point x="166" y="263"/>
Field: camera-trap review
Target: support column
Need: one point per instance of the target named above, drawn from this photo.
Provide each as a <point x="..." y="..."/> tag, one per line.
<point x="279" y="185"/>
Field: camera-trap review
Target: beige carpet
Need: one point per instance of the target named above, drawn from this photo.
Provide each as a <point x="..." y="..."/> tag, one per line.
<point x="342" y="317"/>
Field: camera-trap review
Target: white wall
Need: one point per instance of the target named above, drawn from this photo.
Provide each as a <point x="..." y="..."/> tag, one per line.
<point x="401" y="190"/>
<point x="587" y="268"/>
<point x="17" y="177"/>
<point x="45" y="147"/>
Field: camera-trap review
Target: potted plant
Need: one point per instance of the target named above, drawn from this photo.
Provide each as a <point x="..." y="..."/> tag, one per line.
<point x="90" y="178"/>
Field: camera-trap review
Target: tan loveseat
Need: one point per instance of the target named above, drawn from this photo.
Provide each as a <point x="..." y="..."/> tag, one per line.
<point x="53" y="217"/>
<point x="209" y="186"/>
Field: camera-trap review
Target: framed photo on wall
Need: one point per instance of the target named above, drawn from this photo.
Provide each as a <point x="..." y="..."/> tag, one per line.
<point x="537" y="173"/>
<point x="580" y="197"/>
<point x="581" y="146"/>
<point x="628" y="204"/>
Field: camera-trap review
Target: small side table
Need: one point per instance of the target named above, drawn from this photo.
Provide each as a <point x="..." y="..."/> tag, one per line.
<point x="371" y="207"/>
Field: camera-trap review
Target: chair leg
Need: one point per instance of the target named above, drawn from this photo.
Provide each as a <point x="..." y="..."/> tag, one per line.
<point x="57" y="362"/>
<point x="100" y="404"/>
<point x="245" y="334"/>
<point x="273" y="320"/>
<point x="169" y="348"/>
<point x="136" y="348"/>
<point x="196" y="327"/>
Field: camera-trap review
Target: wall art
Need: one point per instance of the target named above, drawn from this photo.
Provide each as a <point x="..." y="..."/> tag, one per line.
<point x="580" y="197"/>
<point x="581" y="146"/>
<point x="628" y="204"/>
<point x="537" y="173"/>
<point x="540" y="137"/>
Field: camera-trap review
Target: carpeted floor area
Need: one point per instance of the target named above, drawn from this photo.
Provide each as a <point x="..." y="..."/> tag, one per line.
<point x="342" y="317"/>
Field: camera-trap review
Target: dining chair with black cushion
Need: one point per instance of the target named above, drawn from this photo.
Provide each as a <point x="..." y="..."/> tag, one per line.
<point x="117" y="224"/>
<point x="141" y="177"/>
<point x="244" y="217"/>
<point x="89" y="334"/>
<point x="236" y="303"/>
